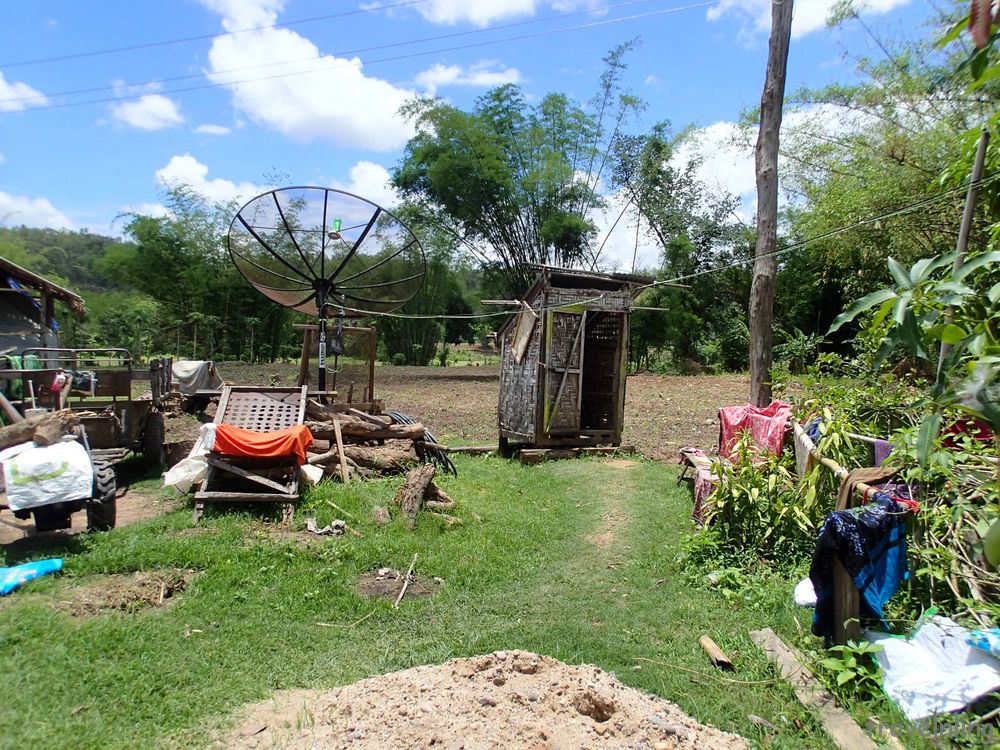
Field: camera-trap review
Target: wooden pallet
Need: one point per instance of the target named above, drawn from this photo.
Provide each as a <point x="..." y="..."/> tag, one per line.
<point x="240" y="479"/>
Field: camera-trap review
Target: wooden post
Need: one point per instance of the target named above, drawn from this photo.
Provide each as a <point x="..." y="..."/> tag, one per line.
<point x="372" y="346"/>
<point x="304" y="362"/>
<point x="766" y="264"/>
<point x="962" y="244"/>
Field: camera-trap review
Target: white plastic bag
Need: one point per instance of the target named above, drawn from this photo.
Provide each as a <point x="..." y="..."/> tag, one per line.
<point x="191" y="470"/>
<point x="44" y="475"/>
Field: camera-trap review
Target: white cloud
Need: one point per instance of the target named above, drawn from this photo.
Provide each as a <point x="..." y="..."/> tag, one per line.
<point x="149" y="112"/>
<point x="156" y="210"/>
<point x="2" y="158"/>
<point x="485" y="73"/>
<point x="16" y="96"/>
<point x="369" y="180"/>
<point x="210" y="129"/>
<point x="480" y="12"/>
<point x="17" y="210"/>
<point x="187" y="170"/>
<point x="316" y="97"/>
<point x="245" y="14"/>
<point x="808" y="15"/>
<point x="725" y="152"/>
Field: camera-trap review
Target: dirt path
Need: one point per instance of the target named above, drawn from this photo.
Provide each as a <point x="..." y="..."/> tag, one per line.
<point x="18" y="537"/>
<point x="616" y="510"/>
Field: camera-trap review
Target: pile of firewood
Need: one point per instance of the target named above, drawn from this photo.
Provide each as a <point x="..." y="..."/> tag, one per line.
<point x="420" y="493"/>
<point x="358" y="447"/>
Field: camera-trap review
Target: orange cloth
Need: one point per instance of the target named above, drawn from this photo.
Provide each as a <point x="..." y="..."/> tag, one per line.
<point x="291" y="441"/>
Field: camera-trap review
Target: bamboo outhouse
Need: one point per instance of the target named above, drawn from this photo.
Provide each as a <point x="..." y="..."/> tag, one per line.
<point x="562" y="361"/>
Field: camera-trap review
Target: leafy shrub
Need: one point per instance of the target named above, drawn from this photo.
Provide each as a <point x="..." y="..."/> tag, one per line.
<point x="853" y="673"/>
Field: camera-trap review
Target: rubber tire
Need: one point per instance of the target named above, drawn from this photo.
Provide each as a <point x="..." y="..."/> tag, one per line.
<point x="102" y="508"/>
<point x="54" y="517"/>
<point x="153" y="449"/>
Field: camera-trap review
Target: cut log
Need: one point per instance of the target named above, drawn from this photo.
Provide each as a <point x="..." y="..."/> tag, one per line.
<point x="44" y="429"/>
<point x="357" y="429"/>
<point x="410" y="496"/>
<point x="328" y="412"/>
<point x="437" y="494"/>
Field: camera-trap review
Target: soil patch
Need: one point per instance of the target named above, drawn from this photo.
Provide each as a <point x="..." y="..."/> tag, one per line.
<point x="620" y="463"/>
<point x="513" y="699"/>
<point x="127" y="593"/>
<point x="385" y="583"/>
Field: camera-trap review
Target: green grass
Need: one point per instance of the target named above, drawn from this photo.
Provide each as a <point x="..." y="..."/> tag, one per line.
<point x="525" y="576"/>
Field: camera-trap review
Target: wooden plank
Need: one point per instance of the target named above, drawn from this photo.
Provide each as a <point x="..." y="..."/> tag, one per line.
<point x="345" y="475"/>
<point x="243" y="497"/>
<point x="239" y="471"/>
<point x="8" y="409"/>
<point x="837" y="723"/>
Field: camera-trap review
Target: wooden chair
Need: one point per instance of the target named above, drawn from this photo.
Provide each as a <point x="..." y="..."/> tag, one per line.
<point x="239" y="479"/>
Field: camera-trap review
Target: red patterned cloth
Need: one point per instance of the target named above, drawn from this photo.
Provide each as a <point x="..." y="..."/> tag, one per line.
<point x="291" y="441"/>
<point x="766" y="426"/>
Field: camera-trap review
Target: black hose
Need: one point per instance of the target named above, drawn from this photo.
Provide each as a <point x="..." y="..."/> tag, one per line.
<point x="437" y="456"/>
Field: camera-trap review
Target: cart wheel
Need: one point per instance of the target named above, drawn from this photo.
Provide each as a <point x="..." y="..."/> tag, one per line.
<point x="103" y="505"/>
<point x="52" y="517"/>
<point x="152" y="440"/>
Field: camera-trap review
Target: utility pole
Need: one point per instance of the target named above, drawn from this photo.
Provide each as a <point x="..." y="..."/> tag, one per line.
<point x="765" y="264"/>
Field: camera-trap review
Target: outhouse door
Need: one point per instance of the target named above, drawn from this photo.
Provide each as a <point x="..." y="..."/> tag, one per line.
<point x="564" y="339"/>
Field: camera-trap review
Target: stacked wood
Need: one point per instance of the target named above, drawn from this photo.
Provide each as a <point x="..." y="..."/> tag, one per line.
<point x="419" y="492"/>
<point x="43" y="429"/>
<point x="365" y="461"/>
<point x="359" y="430"/>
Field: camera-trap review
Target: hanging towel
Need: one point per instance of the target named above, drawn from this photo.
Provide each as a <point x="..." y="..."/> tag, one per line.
<point x="767" y="426"/>
<point x="804" y="459"/>
<point x="871" y="475"/>
<point x="883" y="449"/>
<point x="291" y="441"/>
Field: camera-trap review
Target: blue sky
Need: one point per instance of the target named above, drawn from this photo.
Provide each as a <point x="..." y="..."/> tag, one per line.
<point x="314" y="101"/>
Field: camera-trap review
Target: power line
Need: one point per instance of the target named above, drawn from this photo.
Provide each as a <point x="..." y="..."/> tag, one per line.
<point x="550" y="32"/>
<point x="200" y="37"/>
<point x="339" y="53"/>
<point x="684" y="277"/>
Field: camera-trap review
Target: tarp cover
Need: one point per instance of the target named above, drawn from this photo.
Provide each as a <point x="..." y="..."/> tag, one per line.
<point x="291" y="441"/>
<point x="195" y="375"/>
<point x="41" y="476"/>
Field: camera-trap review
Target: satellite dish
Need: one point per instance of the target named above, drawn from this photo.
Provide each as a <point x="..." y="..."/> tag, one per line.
<point x="321" y="251"/>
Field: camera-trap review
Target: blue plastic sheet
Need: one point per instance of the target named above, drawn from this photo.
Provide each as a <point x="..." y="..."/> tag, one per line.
<point x="11" y="578"/>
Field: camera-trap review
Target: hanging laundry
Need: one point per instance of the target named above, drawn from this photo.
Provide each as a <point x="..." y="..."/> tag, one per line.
<point x="804" y="459"/>
<point x="870" y="543"/>
<point x="766" y="426"/>
<point x="882" y="450"/>
<point x="870" y="475"/>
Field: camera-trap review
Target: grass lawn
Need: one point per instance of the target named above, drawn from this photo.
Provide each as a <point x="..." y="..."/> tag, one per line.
<point x="573" y="559"/>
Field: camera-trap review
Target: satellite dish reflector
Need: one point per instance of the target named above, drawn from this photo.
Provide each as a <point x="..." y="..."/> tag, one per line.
<point x="318" y="249"/>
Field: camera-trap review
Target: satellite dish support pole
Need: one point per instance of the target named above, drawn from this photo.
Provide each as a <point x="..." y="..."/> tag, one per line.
<point x="321" y="305"/>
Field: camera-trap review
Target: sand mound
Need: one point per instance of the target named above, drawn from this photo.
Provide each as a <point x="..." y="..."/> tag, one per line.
<point x="513" y="700"/>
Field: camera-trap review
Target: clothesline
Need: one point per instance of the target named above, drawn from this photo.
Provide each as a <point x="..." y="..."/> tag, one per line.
<point x="839" y="471"/>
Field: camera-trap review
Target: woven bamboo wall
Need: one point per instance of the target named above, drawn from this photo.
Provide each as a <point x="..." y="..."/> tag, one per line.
<point x="519" y="384"/>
